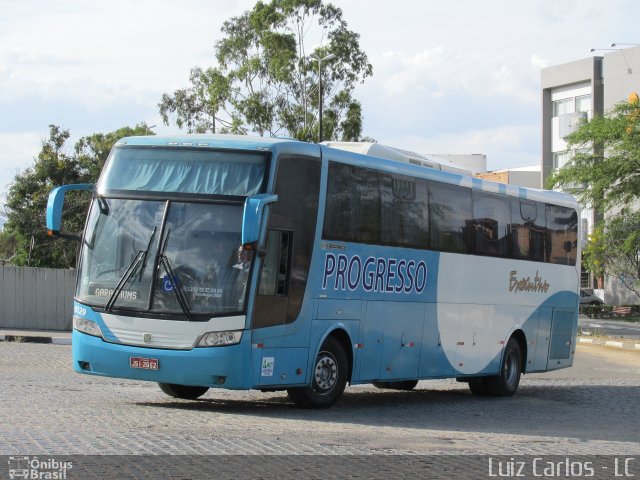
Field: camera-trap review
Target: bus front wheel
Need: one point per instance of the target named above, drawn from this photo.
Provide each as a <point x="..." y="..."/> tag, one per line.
<point x="186" y="392"/>
<point x="329" y="378"/>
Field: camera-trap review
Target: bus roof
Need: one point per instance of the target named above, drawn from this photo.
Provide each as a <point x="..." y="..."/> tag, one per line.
<point x="371" y="158"/>
<point x="208" y="140"/>
<point x="393" y="153"/>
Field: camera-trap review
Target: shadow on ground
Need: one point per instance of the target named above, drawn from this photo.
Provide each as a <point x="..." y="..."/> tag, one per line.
<point x="534" y="410"/>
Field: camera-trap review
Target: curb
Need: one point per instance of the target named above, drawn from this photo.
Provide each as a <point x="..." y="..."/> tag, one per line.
<point x="620" y="343"/>
<point x="34" y="336"/>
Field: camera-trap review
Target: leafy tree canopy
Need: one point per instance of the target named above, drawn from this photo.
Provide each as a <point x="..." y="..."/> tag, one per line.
<point x="614" y="250"/>
<point x="26" y="202"/>
<point x="267" y="76"/>
<point x="605" y="173"/>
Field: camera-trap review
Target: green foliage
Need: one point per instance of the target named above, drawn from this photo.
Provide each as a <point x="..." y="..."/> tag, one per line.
<point x="267" y="80"/>
<point x="196" y="107"/>
<point x="28" y="194"/>
<point x="605" y="173"/>
<point x="614" y="249"/>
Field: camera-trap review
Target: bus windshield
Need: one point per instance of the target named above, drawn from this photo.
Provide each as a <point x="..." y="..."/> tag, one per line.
<point x="183" y="170"/>
<point x="137" y="252"/>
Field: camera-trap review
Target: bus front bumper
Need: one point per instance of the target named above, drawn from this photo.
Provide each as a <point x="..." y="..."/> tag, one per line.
<point x="224" y="367"/>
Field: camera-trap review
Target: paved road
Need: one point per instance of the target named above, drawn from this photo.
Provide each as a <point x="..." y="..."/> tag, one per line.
<point x="613" y="328"/>
<point x="45" y="408"/>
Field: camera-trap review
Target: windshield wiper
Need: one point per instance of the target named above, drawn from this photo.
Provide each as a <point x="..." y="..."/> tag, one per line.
<point x="173" y="279"/>
<point x="146" y="253"/>
<point x="140" y="258"/>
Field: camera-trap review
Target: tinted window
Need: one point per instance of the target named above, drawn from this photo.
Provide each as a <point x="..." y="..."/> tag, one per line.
<point x="562" y="231"/>
<point x="367" y="206"/>
<point x="292" y="226"/>
<point x="528" y="230"/>
<point x="184" y="170"/>
<point x="491" y="224"/>
<point x="353" y="204"/>
<point x="405" y="212"/>
<point x="274" y="278"/>
<point x="450" y="217"/>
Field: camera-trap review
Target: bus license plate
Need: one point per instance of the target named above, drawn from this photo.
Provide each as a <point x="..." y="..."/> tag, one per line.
<point x="144" y="363"/>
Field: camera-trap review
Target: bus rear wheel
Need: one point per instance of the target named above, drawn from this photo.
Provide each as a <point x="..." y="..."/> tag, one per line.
<point x="186" y="392"/>
<point x="404" y="385"/>
<point x="505" y="384"/>
<point x="329" y="378"/>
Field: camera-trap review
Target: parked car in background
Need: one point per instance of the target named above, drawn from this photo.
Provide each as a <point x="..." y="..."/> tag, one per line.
<point x="589" y="298"/>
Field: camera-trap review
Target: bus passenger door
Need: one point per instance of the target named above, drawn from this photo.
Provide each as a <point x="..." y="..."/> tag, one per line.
<point x="281" y="317"/>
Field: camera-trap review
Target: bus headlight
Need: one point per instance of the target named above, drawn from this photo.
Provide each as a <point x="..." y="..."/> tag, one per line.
<point x="87" y="326"/>
<point x="220" y="339"/>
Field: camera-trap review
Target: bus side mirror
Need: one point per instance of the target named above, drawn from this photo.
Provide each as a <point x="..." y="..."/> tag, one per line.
<point x="252" y="216"/>
<point x="55" y="205"/>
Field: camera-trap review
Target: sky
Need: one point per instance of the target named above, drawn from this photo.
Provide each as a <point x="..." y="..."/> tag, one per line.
<point x="449" y="76"/>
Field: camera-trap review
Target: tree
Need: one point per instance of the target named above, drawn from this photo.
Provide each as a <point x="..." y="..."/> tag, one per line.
<point x="267" y="79"/>
<point x="26" y="203"/>
<point x="614" y="250"/>
<point x="605" y="173"/>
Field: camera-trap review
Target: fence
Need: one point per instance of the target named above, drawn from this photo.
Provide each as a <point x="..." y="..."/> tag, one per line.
<point x="36" y="298"/>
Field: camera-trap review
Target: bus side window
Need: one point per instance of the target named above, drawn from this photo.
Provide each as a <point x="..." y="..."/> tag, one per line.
<point x="276" y="267"/>
<point x="562" y="230"/>
<point x="352" y="213"/>
<point x="404" y="211"/>
<point x="491" y="222"/>
<point x="450" y="218"/>
<point x="528" y="230"/>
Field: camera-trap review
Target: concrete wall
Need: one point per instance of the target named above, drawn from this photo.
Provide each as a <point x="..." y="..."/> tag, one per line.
<point x="622" y="75"/>
<point x="567" y="76"/>
<point x="36" y="298"/>
<point x="615" y="293"/>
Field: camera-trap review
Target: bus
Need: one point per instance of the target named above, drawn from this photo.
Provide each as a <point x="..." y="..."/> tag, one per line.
<point x="241" y="262"/>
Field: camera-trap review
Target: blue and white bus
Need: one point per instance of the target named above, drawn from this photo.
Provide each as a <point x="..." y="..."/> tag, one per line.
<point x="251" y="263"/>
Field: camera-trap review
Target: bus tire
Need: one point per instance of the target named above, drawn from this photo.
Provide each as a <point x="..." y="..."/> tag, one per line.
<point x="186" y="392"/>
<point x="505" y="384"/>
<point x="404" y="385"/>
<point x="329" y="378"/>
<point x="478" y="386"/>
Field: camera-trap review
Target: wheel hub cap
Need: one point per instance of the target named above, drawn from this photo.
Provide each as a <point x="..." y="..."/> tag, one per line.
<point x="326" y="373"/>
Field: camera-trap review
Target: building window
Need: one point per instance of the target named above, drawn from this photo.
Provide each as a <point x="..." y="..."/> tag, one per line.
<point x="585" y="279"/>
<point x="585" y="230"/>
<point x="560" y="107"/>
<point x="560" y="159"/>
<point x="583" y="103"/>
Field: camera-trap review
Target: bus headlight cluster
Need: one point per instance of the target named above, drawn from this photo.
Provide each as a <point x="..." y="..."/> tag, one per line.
<point x="219" y="339"/>
<point x="87" y="326"/>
